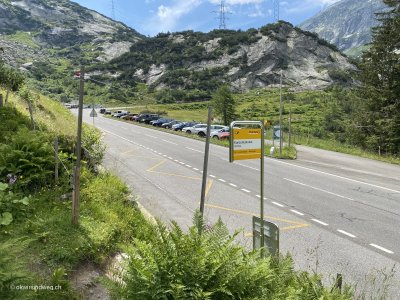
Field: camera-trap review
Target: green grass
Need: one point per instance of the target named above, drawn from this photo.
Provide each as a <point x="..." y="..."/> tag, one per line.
<point x="308" y="109"/>
<point x="24" y="38"/>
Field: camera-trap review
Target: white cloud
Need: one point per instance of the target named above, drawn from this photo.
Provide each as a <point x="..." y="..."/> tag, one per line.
<point x="258" y="12"/>
<point x="168" y="16"/>
<point x="301" y="6"/>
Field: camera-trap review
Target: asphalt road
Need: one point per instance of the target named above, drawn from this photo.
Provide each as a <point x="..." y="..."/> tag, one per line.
<point x="337" y="213"/>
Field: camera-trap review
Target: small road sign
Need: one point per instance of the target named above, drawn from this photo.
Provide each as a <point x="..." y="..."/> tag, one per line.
<point x="271" y="236"/>
<point x="93" y="113"/>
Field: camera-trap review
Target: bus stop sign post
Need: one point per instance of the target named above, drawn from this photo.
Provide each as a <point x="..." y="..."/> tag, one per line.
<point x="248" y="143"/>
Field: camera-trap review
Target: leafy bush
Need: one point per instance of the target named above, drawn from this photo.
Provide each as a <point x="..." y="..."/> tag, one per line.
<point x="91" y="141"/>
<point x="206" y="263"/>
<point x="11" y="121"/>
<point x="10" y="206"/>
<point x="28" y="156"/>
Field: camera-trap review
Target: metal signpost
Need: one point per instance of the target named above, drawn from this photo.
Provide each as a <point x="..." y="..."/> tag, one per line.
<point x="93" y="114"/>
<point x="271" y="236"/>
<point x="248" y="143"/>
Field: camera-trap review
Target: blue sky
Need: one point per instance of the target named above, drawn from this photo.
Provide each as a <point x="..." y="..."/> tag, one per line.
<point x="150" y="17"/>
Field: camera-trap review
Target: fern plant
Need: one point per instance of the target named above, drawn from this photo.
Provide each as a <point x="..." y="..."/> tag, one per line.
<point x="206" y="263"/>
<point x="28" y="156"/>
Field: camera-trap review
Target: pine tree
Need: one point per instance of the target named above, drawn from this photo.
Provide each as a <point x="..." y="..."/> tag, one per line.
<point x="224" y="104"/>
<point x="379" y="113"/>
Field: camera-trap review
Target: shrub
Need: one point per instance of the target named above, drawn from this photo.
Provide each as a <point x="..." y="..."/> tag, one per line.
<point x="206" y="263"/>
<point x="28" y="156"/>
<point x="11" y="207"/>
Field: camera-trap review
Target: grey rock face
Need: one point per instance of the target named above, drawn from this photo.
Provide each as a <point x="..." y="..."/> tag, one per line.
<point x="303" y="60"/>
<point x="347" y="23"/>
<point x="59" y="24"/>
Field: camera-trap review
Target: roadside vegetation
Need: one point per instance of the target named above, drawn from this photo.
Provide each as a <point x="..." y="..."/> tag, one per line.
<point x="40" y="246"/>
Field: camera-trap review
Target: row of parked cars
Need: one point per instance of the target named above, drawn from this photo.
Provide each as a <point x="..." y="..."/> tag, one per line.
<point x="219" y="132"/>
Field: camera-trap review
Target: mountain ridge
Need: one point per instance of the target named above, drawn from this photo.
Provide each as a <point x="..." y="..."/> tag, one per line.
<point x="346" y="23"/>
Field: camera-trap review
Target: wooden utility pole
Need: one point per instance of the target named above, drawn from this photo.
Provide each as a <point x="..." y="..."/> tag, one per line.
<point x="56" y="160"/>
<point x="280" y="118"/>
<point x="77" y="170"/>
<point x="1" y="100"/>
<point x="205" y="165"/>
<point x="290" y="122"/>
<point x="31" y="113"/>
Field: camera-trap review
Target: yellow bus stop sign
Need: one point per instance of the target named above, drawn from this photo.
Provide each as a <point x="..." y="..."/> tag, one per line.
<point x="246" y="143"/>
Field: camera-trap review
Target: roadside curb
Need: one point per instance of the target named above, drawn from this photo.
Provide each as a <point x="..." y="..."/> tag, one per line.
<point x="146" y="213"/>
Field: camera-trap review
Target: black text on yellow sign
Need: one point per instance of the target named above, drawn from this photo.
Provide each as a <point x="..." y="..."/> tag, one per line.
<point x="246" y="143"/>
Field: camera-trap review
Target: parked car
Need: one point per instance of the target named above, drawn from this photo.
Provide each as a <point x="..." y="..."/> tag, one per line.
<point x="192" y="129"/>
<point x="203" y="131"/>
<point x="144" y="116"/>
<point x="120" y="113"/>
<point x="150" y="118"/>
<point x="159" y="122"/>
<point x="128" y="116"/>
<point x="221" y="134"/>
<point x="102" y="110"/>
<point x="170" y="124"/>
<point x="107" y="112"/>
<point x="180" y="126"/>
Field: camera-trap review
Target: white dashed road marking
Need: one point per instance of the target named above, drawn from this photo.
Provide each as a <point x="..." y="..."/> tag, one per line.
<point x="246" y="191"/>
<point x="297" y="212"/>
<point x="381" y="248"/>
<point x="320" y="222"/>
<point x="278" y="204"/>
<point x="346" y="233"/>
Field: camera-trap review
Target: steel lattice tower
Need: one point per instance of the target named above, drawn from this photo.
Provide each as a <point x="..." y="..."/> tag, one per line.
<point x="222" y="15"/>
<point x="276" y="10"/>
<point x="113" y="9"/>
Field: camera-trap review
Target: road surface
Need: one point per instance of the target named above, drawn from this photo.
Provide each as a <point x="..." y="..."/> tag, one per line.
<point x="337" y="213"/>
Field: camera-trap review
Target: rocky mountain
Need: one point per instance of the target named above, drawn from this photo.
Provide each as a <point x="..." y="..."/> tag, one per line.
<point x="36" y="30"/>
<point x="50" y="39"/>
<point x="254" y="58"/>
<point x="346" y="23"/>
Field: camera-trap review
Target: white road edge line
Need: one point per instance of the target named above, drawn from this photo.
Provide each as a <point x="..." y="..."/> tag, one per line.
<point x="333" y="175"/>
<point x="320" y="222"/>
<point x="297" y="212"/>
<point x="247" y="166"/>
<point x="381" y="248"/>
<point x="194" y="150"/>
<point x="170" y="142"/>
<point x="189" y="166"/>
<point x="152" y="136"/>
<point x="195" y="169"/>
<point x="246" y="191"/>
<point x="232" y="184"/>
<point x="318" y="189"/>
<point x="258" y="196"/>
<point x="278" y="204"/>
<point x="212" y="176"/>
<point x="346" y="233"/>
<point x="221" y="180"/>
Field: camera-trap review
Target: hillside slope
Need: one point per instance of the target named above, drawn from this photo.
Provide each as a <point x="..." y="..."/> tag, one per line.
<point x="255" y="58"/>
<point x="347" y="23"/>
<point x="34" y="30"/>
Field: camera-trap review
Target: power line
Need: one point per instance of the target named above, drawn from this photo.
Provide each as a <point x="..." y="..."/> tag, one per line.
<point x="276" y="10"/>
<point x="113" y="9"/>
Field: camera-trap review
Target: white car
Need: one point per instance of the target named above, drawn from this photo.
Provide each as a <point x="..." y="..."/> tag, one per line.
<point x="203" y="131"/>
<point x="193" y="129"/>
